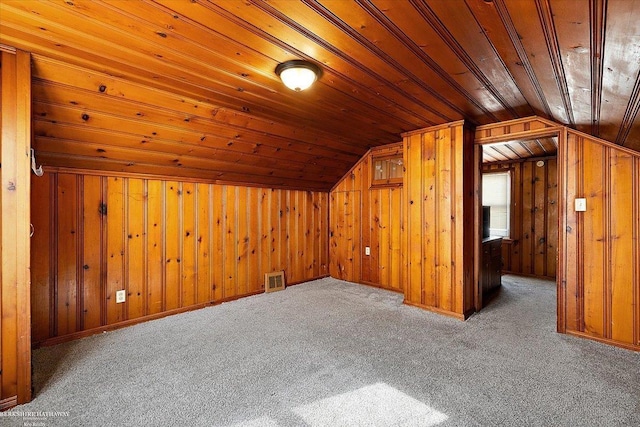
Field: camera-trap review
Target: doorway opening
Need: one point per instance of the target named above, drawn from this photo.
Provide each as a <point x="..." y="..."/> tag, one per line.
<point x="518" y="191"/>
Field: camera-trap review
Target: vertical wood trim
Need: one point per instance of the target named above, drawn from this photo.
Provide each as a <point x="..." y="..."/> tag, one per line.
<point x="579" y="177"/>
<point x="545" y="222"/>
<point x="13" y="396"/>
<point x="572" y="235"/>
<point x="236" y="247"/>
<point x="122" y="307"/>
<point x="561" y="267"/>
<point x="470" y="208"/>
<point x="636" y="249"/>
<point x="456" y="207"/>
<point x="125" y="247"/>
<point x="606" y="259"/>
<point x="103" y="250"/>
<point x="52" y="262"/>
<point x="181" y="233"/>
<point x="196" y="244"/>
<point x="294" y="230"/>
<point x="478" y="220"/>
<point x="528" y="204"/>
<point x="15" y="290"/>
<point x="223" y="237"/>
<point x="438" y="208"/>
<point x="53" y="320"/>
<point x="23" y="251"/>
<point x="79" y="252"/>
<point x="551" y="222"/>
<point x="210" y="248"/>
<point x="297" y="199"/>
<point x="210" y="231"/>
<point x="286" y="194"/>
<point x="357" y="252"/>
<point x="259" y="233"/>
<point x="145" y="247"/>
<point x="163" y="192"/>
<point x="518" y="216"/>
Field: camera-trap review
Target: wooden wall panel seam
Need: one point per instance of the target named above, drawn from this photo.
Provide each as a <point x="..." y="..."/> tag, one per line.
<point x="436" y="220"/>
<point x="561" y="280"/>
<point x="145" y="247"/>
<point x="163" y="291"/>
<point x="124" y="307"/>
<point x="212" y="284"/>
<point x="636" y="248"/>
<point x="579" y="176"/>
<point x="607" y="261"/>
<point x="79" y="253"/>
<point x="103" y="250"/>
<point x="545" y="232"/>
<point x="181" y="250"/>
<point x="458" y="149"/>
<point x="53" y="319"/>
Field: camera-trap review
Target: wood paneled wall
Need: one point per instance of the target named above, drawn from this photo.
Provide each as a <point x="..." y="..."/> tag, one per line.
<point x="15" y="143"/>
<point x="172" y="245"/>
<point x="600" y="268"/>
<point x="362" y="216"/>
<point x="439" y="193"/>
<point x="532" y="247"/>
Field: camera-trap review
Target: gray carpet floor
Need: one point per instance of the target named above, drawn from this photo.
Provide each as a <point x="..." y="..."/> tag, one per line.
<point x="332" y="353"/>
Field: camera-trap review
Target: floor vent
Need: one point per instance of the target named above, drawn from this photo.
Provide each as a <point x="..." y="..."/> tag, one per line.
<point x="274" y="281"/>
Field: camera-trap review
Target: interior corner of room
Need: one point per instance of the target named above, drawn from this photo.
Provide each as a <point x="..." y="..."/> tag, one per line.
<point x="139" y="185"/>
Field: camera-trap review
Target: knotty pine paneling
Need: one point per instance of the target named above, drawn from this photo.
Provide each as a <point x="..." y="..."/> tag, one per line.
<point x="439" y="198"/>
<point x="171" y="245"/>
<point x="363" y="216"/>
<point x="600" y="297"/>
<point x="15" y="247"/>
<point x="532" y="247"/>
<point x="344" y="242"/>
<point x="87" y="119"/>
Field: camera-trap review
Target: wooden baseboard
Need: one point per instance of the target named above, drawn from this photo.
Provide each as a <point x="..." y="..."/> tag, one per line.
<point x="608" y="341"/>
<point x="379" y="286"/>
<point x="307" y="280"/>
<point x="86" y="333"/>
<point x="8" y="403"/>
<point x="438" y="310"/>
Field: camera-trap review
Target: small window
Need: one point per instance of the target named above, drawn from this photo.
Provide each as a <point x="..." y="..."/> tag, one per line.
<point x="387" y="171"/>
<point x="496" y="193"/>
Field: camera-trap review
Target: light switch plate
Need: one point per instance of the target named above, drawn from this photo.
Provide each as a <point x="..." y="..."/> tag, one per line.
<point x="121" y="296"/>
<point x="581" y="205"/>
<point x="367" y="250"/>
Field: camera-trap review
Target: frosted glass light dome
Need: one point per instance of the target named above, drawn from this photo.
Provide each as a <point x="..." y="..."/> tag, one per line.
<point x="298" y="75"/>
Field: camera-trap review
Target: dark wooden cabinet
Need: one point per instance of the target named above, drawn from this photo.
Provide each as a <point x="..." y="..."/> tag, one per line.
<point x="491" y="268"/>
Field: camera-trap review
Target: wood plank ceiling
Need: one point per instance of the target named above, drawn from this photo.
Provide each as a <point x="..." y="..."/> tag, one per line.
<point x="187" y="88"/>
<point x="520" y="150"/>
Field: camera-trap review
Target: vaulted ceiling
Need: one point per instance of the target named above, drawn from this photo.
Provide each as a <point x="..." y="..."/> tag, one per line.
<point x="187" y="88"/>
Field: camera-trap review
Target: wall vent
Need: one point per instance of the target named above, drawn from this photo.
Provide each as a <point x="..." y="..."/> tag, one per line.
<point x="274" y="281"/>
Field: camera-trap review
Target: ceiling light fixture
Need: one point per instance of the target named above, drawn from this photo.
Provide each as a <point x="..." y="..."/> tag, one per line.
<point x="297" y="74"/>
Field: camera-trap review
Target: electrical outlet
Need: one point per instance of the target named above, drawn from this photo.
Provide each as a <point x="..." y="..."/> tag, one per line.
<point x="581" y="205"/>
<point x="121" y="296"/>
<point x="367" y="250"/>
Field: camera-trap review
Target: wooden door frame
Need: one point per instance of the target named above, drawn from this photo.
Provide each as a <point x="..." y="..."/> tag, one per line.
<point x="517" y="130"/>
